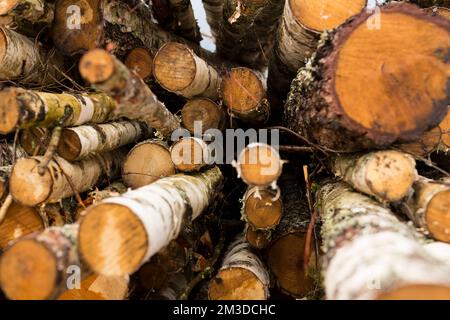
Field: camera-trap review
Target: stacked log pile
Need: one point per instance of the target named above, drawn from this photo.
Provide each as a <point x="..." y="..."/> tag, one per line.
<point x="307" y="157"/>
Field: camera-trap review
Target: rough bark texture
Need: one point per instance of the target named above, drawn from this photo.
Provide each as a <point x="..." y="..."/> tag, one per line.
<point x="38" y="266"/>
<point x="178" y="69"/>
<point x="368" y="252"/>
<point x="28" y="108"/>
<point x="134" y="98"/>
<point x="120" y="234"/>
<point x="61" y="178"/>
<point x="429" y="208"/>
<point x="27" y="62"/>
<point x="248" y="30"/>
<point x="386" y="175"/>
<point x="213" y="10"/>
<point x="79" y="142"/>
<point x="242" y="275"/>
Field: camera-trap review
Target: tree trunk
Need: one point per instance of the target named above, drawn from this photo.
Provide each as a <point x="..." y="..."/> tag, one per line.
<point x="40" y="266"/>
<point x="330" y="103"/>
<point x="205" y="112"/>
<point x="120" y="234"/>
<point x="244" y="93"/>
<point x="98" y="287"/>
<point x="190" y="154"/>
<point x="248" y="30"/>
<point x="178" y="69"/>
<point x="134" y="98"/>
<point x="147" y="162"/>
<point x="28" y="108"/>
<point x="301" y="24"/>
<point x="61" y="179"/>
<point x="386" y="175"/>
<point x="368" y="252"/>
<point x="26" y="62"/>
<point x="242" y="276"/>
<point x="79" y="142"/>
<point x="429" y="208"/>
<point x="259" y="165"/>
<point x="262" y="209"/>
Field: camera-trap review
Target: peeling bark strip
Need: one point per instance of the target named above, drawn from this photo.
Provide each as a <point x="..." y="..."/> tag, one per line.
<point x="205" y="112"/>
<point x="120" y="234"/>
<point x="244" y="93"/>
<point x="248" y="30"/>
<point x="178" y="69"/>
<point x="301" y="25"/>
<point x="98" y="287"/>
<point x="262" y="208"/>
<point x="331" y="102"/>
<point x="28" y="108"/>
<point x="134" y="98"/>
<point x="368" y="252"/>
<point x="27" y="62"/>
<point x="242" y="276"/>
<point x="147" y="162"/>
<point x="213" y="10"/>
<point x="429" y="208"/>
<point x="37" y="267"/>
<point x="386" y="175"/>
<point x="61" y="178"/>
<point x="79" y="142"/>
<point x="34" y="11"/>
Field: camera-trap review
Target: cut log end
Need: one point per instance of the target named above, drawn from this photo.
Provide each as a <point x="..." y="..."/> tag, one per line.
<point x="146" y="163"/>
<point x="70" y="145"/>
<point x="9" y="109"/>
<point x="188" y="154"/>
<point x="27" y="186"/>
<point x="285" y="260"/>
<point x="438" y="216"/>
<point x="175" y="67"/>
<point x="242" y="90"/>
<point x="236" y="284"/>
<point x="28" y="271"/>
<point x="97" y="66"/>
<point x="391" y="174"/>
<point x="319" y="15"/>
<point x="258" y="239"/>
<point x="417" y="292"/>
<point x="421" y="69"/>
<point x="140" y="60"/>
<point x="112" y="240"/>
<point x="259" y="165"/>
<point x="19" y="221"/>
<point x="262" y="212"/>
<point x="204" y="111"/>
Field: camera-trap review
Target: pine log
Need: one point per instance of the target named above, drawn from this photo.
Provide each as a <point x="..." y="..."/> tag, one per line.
<point x="259" y="165"/>
<point x="134" y="98"/>
<point x="213" y="10"/>
<point x="140" y="60"/>
<point x="28" y="108"/>
<point x="244" y="93"/>
<point x="36" y="267"/>
<point x="98" y="287"/>
<point x="179" y="70"/>
<point x="147" y="162"/>
<point x="429" y="208"/>
<point x="258" y="239"/>
<point x="248" y="30"/>
<point x="205" y="112"/>
<point x="428" y="143"/>
<point x="368" y="251"/>
<point x="190" y="154"/>
<point x="262" y="209"/>
<point x="242" y="275"/>
<point x="27" y="62"/>
<point x="301" y="24"/>
<point x="79" y="142"/>
<point x="330" y="103"/>
<point x="61" y="179"/>
<point x="386" y="175"/>
<point x="120" y="234"/>
<point x="112" y="24"/>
